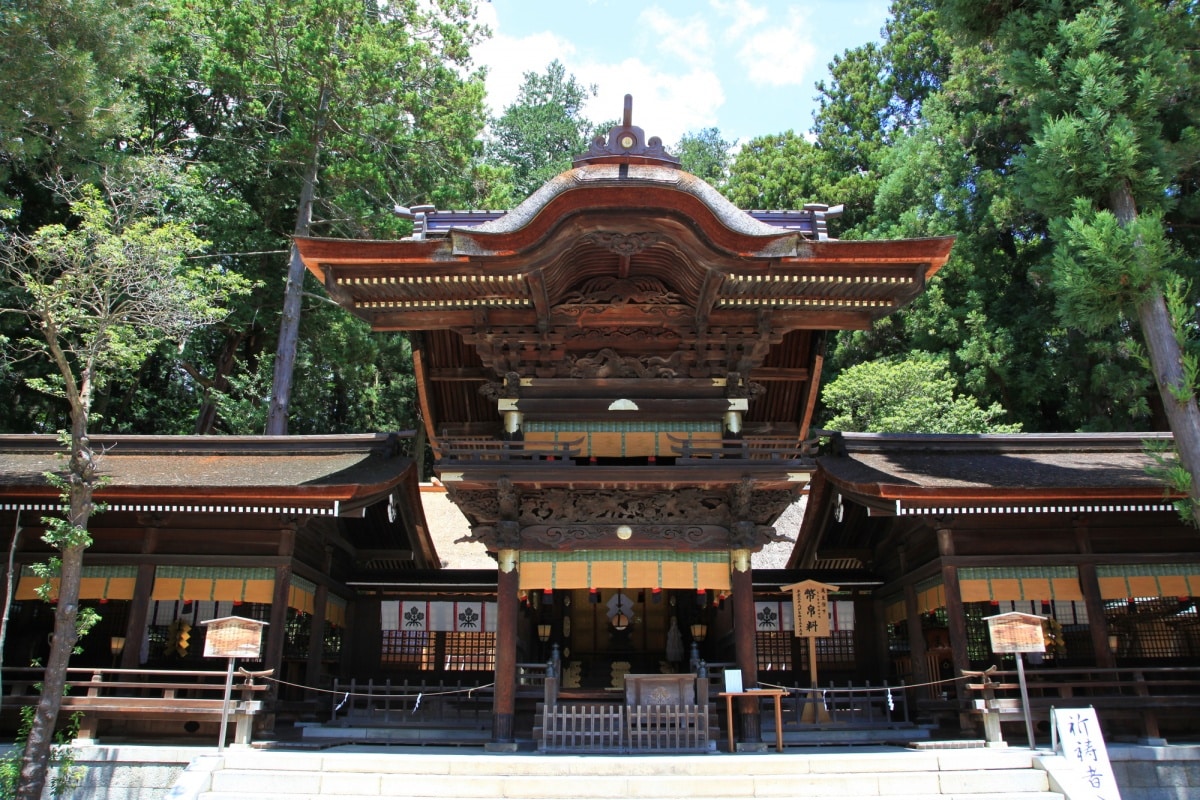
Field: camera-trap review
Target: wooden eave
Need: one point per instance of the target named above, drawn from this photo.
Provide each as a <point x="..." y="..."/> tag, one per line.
<point x="213" y="470"/>
<point x="792" y="476"/>
<point x="1031" y="474"/>
<point x="519" y="266"/>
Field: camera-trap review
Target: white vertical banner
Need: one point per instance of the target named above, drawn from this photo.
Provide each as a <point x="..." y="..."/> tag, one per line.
<point x="414" y="616"/>
<point x="441" y="615"/>
<point x="205" y="610"/>
<point x="843" y="615"/>
<point x="489" y="617"/>
<point x="468" y="617"/>
<point x="768" y="616"/>
<point x="389" y="615"/>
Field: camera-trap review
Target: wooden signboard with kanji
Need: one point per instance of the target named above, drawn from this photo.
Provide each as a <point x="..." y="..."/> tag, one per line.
<point x="1015" y="632"/>
<point x="810" y="613"/>
<point x="233" y="637"/>
<point x="810" y="607"/>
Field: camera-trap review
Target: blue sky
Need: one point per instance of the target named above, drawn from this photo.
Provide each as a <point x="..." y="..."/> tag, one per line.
<point x="747" y="67"/>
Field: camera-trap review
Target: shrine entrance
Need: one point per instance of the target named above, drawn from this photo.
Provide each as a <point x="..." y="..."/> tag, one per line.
<point x="598" y="636"/>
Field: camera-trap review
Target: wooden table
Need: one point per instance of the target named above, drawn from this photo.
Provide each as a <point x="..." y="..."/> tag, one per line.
<point x="775" y="694"/>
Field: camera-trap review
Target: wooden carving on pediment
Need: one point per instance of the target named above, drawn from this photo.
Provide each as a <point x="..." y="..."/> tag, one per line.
<point x="624" y="244"/>
<point x="666" y="537"/>
<point x="690" y="506"/>
<point x="609" y="290"/>
<point x="608" y="363"/>
<point x="477" y="506"/>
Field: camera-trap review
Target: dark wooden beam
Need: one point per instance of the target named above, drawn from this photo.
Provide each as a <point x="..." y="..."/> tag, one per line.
<point x="779" y="374"/>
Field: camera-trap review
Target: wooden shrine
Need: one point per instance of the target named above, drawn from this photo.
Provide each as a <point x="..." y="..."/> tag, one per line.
<point x="618" y="376"/>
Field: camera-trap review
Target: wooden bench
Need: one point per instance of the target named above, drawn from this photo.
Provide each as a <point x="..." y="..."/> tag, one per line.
<point x="144" y="695"/>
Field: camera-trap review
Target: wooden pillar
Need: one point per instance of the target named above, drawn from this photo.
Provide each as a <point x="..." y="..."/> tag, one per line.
<point x="277" y="624"/>
<point x="505" y="704"/>
<point x="316" y="640"/>
<point x="746" y="650"/>
<point x="137" y="626"/>
<point x="958" y="628"/>
<point x="139" y="611"/>
<point x="916" y="639"/>
<point x="1089" y="584"/>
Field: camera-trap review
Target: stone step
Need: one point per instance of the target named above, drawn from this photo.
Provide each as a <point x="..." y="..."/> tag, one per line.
<point x="576" y="795"/>
<point x="264" y="782"/>
<point x="988" y="774"/>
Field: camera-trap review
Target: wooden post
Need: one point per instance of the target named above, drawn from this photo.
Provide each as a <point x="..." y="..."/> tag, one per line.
<point x="316" y="639"/>
<point x="1089" y="584"/>
<point x="505" y="703"/>
<point x="139" y="610"/>
<point x="957" y="620"/>
<point x="746" y="651"/>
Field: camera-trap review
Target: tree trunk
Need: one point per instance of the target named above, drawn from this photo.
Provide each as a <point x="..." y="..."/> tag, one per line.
<point x="289" y="325"/>
<point x="35" y="761"/>
<point x="1166" y="359"/>
<point x="207" y="418"/>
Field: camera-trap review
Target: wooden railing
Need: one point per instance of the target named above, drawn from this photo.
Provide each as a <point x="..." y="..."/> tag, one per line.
<point x="486" y="449"/>
<point x="862" y="706"/>
<point x="625" y="723"/>
<point x="133" y="694"/>
<point x="750" y="448"/>
<point x="409" y="702"/>
<point x="1141" y="693"/>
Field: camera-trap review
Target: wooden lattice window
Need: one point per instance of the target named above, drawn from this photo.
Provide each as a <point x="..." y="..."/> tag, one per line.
<point x="439" y="650"/>
<point x="774" y="651"/>
<point x="408" y="649"/>
<point x="469" y="651"/>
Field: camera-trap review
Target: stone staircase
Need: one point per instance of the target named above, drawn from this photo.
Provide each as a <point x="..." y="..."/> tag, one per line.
<point x="971" y="774"/>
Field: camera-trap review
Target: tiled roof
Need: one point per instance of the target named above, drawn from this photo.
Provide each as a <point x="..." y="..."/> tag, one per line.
<point x="896" y="465"/>
<point x="348" y="469"/>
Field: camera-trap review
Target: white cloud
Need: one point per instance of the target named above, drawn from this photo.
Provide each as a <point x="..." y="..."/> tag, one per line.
<point x="685" y="40"/>
<point x="508" y="58"/>
<point x="666" y="102"/>
<point x="782" y="55"/>
<point x="743" y="15"/>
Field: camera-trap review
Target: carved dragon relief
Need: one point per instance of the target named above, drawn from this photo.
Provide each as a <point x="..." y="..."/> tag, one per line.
<point x="609" y="290"/>
<point x="683" y="506"/>
<point x="624" y="244"/>
<point x="608" y="363"/>
<point x="560" y="517"/>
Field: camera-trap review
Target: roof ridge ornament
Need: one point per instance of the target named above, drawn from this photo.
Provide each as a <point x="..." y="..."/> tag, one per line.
<point x="627" y="144"/>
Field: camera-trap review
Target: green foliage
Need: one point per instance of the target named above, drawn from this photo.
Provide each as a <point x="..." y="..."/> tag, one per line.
<point x="1166" y="467"/>
<point x="777" y="171"/>
<point x="1102" y="269"/>
<point x="706" y="155"/>
<point x="539" y="133"/>
<point x="915" y="395"/>
<point x="67" y="774"/>
<point x="379" y="97"/>
<point x="67" y="92"/>
<point x="102" y="293"/>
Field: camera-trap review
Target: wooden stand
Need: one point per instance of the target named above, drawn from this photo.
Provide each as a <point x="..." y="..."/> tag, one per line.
<point x="775" y="694"/>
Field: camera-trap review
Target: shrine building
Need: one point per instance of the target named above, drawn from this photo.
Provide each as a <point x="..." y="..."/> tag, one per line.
<point x="617" y="380"/>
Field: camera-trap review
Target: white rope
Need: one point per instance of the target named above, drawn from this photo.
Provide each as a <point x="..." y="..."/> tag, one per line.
<point x="468" y="691"/>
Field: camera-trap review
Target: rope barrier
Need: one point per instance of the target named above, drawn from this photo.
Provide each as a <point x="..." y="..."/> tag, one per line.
<point x="346" y="695"/>
<point x="866" y="690"/>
